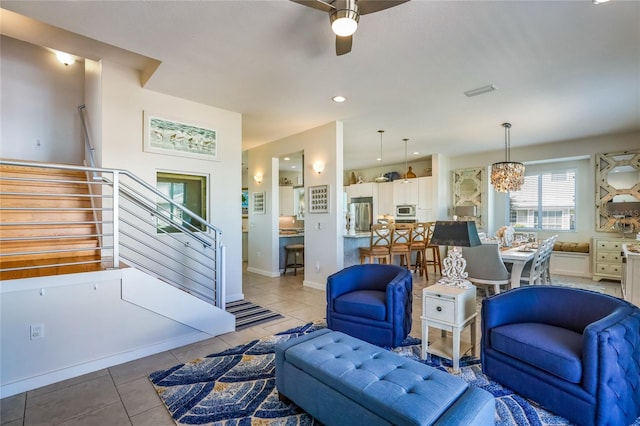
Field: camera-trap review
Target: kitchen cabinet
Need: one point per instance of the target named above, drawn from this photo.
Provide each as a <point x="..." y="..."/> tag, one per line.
<point x="425" y="192"/>
<point x="286" y="201"/>
<point x="385" y="199"/>
<point x="361" y="190"/>
<point x="405" y="192"/>
<point x="298" y="203"/>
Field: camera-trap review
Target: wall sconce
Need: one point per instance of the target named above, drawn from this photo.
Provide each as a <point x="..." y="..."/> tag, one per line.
<point x="65" y="58"/>
<point x="318" y="166"/>
<point x="258" y="178"/>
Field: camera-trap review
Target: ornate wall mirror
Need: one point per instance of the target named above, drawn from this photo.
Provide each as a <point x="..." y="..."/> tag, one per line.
<point x="618" y="192"/>
<point x="468" y="192"/>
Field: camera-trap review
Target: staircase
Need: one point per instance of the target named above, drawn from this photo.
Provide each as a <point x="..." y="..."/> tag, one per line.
<point x="47" y="225"/>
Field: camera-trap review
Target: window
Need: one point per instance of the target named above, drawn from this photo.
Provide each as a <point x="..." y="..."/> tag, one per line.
<point x="546" y="202"/>
<point x="186" y="190"/>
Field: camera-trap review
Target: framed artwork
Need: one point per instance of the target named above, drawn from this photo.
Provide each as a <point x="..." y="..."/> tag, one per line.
<point x="245" y="201"/>
<point x="170" y="137"/>
<point x="319" y="199"/>
<point x="259" y="203"/>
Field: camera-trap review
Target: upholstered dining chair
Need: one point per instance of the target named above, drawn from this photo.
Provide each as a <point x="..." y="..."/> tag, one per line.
<point x="401" y="243"/>
<point x="418" y="246"/>
<point x="379" y="244"/>
<point x="485" y="267"/>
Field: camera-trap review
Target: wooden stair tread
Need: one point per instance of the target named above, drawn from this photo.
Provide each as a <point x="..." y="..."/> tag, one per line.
<point x="64" y="187"/>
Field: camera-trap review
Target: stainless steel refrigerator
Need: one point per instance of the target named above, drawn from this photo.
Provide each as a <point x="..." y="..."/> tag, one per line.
<point x="364" y="213"/>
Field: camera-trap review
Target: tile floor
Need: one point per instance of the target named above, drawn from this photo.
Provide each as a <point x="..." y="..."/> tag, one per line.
<point x="123" y="394"/>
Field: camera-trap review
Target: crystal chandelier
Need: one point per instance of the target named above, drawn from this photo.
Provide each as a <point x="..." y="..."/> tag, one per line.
<point x="507" y="175"/>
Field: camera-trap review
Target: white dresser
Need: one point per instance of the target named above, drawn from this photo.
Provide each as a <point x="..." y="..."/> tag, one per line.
<point x="607" y="258"/>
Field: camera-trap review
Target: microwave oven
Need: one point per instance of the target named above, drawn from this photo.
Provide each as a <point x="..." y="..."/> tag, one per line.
<point x="406" y="210"/>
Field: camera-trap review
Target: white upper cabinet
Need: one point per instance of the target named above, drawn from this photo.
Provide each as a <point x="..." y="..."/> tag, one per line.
<point x="405" y="193"/>
<point x="425" y="192"/>
<point x="385" y="199"/>
<point x="286" y="201"/>
<point x="360" y="190"/>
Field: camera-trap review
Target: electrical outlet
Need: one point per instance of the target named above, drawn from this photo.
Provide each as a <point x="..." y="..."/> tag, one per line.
<point x="37" y="331"/>
<point x="38" y="144"/>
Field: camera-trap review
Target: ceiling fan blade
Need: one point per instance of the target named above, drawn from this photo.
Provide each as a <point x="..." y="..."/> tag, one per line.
<point x="316" y="4"/>
<point x="370" y="6"/>
<point x="343" y="44"/>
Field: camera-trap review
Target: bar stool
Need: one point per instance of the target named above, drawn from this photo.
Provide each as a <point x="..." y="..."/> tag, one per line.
<point x="296" y="250"/>
<point x="435" y="260"/>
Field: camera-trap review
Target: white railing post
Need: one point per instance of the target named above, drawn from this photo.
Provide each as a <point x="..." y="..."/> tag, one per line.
<point x="220" y="274"/>
<point x="116" y="219"/>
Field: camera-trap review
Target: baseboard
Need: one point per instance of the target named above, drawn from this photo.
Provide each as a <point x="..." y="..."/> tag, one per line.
<point x="270" y="274"/>
<point x="317" y="286"/>
<point x="31" y="383"/>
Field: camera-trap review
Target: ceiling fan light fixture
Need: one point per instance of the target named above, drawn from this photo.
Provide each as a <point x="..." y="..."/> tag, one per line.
<point x="344" y="22"/>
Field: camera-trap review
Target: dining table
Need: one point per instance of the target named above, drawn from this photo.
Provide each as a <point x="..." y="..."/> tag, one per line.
<point x="518" y="257"/>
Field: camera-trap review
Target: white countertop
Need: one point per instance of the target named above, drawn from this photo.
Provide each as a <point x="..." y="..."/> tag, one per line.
<point x="358" y="235"/>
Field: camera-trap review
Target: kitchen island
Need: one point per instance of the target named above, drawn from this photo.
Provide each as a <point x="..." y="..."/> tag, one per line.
<point x="351" y="245"/>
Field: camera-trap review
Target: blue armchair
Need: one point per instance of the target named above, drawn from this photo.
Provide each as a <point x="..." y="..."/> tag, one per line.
<point x="573" y="351"/>
<point x="371" y="302"/>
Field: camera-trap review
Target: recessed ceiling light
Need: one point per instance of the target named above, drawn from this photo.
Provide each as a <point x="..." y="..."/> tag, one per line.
<point x="480" y="90"/>
<point x="600" y="1"/>
<point x="378" y="159"/>
<point x="339" y="99"/>
<point x="293" y="167"/>
<point x="416" y="153"/>
<point x="286" y="158"/>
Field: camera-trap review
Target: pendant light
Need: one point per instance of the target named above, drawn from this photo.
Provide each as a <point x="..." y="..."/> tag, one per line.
<point x="507" y="175"/>
<point x="406" y="168"/>
<point x="382" y="177"/>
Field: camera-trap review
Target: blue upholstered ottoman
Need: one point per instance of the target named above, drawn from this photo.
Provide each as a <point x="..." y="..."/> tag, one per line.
<point x="341" y="380"/>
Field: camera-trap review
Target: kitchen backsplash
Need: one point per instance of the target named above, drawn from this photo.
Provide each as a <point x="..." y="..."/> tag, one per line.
<point x="290" y="222"/>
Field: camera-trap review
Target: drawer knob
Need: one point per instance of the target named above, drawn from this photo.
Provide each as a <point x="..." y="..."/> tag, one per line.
<point x="439" y="309"/>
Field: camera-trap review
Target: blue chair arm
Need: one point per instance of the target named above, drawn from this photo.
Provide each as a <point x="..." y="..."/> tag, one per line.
<point x="611" y="364"/>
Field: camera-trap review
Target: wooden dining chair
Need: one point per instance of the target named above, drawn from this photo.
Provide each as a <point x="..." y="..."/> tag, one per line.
<point x="401" y="243"/>
<point x="419" y="246"/>
<point x="379" y="244"/>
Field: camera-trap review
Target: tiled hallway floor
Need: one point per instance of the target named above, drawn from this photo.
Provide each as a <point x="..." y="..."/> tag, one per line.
<point x="123" y="394"/>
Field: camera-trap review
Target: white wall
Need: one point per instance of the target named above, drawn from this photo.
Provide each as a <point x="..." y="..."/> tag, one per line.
<point x="87" y="326"/>
<point x="39" y="102"/>
<point x="323" y="232"/>
<point x="122" y="135"/>
<point x="567" y="153"/>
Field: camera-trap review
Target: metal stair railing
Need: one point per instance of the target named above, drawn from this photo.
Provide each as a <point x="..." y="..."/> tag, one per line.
<point x="131" y="229"/>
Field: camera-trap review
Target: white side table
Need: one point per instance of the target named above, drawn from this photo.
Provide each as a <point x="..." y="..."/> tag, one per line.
<point x="449" y="309"/>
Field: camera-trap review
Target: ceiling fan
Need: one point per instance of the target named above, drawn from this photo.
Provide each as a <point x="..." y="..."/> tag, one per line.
<point x="345" y="14"/>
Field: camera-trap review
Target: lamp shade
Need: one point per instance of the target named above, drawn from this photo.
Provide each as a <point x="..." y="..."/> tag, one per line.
<point x="454" y="233"/>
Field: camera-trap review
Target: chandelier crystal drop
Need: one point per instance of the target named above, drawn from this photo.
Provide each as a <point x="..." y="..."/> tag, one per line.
<point x="507" y="175"/>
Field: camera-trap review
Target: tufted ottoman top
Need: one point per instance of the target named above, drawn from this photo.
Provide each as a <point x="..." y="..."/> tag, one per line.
<point x="401" y="390"/>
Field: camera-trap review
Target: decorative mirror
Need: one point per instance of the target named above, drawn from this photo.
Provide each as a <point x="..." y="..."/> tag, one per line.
<point x="468" y="194"/>
<point x="618" y="192"/>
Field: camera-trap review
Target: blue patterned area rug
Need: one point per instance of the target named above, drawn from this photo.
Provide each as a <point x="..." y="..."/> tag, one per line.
<point x="237" y="387"/>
